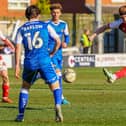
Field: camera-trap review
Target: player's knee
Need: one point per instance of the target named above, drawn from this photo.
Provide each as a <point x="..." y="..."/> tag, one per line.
<point x="58" y="72"/>
<point x="54" y="86"/>
<point x="26" y="85"/>
<point x="5" y="79"/>
<point x="23" y="90"/>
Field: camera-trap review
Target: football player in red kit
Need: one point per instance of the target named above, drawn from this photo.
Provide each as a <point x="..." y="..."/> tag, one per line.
<point x="4" y="71"/>
<point x="120" y="24"/>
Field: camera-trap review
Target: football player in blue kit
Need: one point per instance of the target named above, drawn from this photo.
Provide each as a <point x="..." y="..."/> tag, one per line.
<point x="34" y="35"/>
<point x="61" y="29"/>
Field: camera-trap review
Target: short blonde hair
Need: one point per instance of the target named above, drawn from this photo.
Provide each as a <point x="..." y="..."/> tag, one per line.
<point x="122" y="10"/>
<point x="56" y="6"/>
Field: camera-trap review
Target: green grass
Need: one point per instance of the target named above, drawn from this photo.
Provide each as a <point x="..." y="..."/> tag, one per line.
<point x="94" y="102"/>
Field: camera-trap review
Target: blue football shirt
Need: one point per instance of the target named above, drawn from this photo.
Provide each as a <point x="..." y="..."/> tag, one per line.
<point x="35" y="37"/>
<point x="61" y="28"/>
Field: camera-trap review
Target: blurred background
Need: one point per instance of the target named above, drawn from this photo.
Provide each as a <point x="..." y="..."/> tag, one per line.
<point x="79" y="14"/>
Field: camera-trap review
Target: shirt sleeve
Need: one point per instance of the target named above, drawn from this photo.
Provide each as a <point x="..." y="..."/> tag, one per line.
<point x="115" y="24"/>
<point x="66" y="34"/>
<point x="52" y="32"/>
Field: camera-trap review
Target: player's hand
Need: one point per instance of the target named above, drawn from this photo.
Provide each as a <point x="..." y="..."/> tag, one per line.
<point x="64" y="44"/>
<point x="51" y="55"/>
<point x="8" y="50"/>
<point x="17" y="72"/>
<point x="91" y="38"/>
<point x="13" y="50"/>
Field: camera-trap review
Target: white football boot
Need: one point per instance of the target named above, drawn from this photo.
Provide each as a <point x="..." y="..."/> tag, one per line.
<point x="110" y="76"/>
<point x="59" y="116"/>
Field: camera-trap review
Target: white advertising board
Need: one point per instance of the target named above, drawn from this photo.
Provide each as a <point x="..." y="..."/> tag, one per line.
<point x="110" y="60"/>
<point x="118" y="1"/>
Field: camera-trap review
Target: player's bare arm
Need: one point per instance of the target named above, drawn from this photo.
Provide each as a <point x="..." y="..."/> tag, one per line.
<point x="55" y="36"/>
<point x="9" y="44"/>
<point x="57" y="46"/>
<point x="66" y="37"/>
<point x="17" y="60"/>
<point x="98" y="31"/>
<point x="64" y="44"/>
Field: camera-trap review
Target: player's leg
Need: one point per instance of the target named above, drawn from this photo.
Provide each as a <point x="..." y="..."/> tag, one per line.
<point x="28" y="80"/>
<point x="111" y="77"/>
<point x="5" y="86"/>
<point x="49" y="75"/>
<point x="23" y="100"/>
<point x="60" y="64"/>
<point x="55" y="87"/>
<point x="58" y="67"/>
<point x="121" y="73"/>
<point x="64" y="100"/>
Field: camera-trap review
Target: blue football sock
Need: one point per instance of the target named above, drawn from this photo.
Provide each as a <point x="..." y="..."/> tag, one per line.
<point x="23" y="99"/>
<point x="60" y="82"/>
<point x="57" y="96"/>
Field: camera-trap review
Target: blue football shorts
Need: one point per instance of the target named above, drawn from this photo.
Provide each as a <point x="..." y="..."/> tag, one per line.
<point x="46" y="71"/>
<point x="57" y="63"/>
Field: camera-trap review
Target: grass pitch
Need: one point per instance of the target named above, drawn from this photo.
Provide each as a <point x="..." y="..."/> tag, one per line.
<point x="94" y="102"/>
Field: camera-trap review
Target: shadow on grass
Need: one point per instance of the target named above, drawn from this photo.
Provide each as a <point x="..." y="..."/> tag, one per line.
<point x="7" y="120"/>
<point x="28" y="108"/>
<point x="44" y="108"/>
<point x="9" y="107"/>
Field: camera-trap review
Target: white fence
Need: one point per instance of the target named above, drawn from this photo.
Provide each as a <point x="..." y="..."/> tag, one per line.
<point x="82" y="60"/>
<point x="95" y="60"/>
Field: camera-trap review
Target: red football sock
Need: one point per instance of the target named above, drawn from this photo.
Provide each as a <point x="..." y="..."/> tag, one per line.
<point x="121" y="73"/>
<point x="5" y="88"/>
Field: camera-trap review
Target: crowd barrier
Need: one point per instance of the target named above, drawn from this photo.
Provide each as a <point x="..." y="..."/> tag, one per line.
<point x="82" y="60"/>
<point x="94" y="60"/>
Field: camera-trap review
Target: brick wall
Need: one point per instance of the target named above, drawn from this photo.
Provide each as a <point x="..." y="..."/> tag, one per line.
<point x="3" y="7"/>
<point x="104" y="2"/>
<point x="4" y="12"/>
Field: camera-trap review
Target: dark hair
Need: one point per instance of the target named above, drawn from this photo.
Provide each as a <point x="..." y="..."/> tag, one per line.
<point x="122" y="10"/>
<point x="85" y="30"/>
<point x="56" y="6"/>
<point x="32" y="12"/>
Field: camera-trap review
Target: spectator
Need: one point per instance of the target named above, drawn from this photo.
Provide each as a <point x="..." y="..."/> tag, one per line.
<point x="85" y="42"/>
